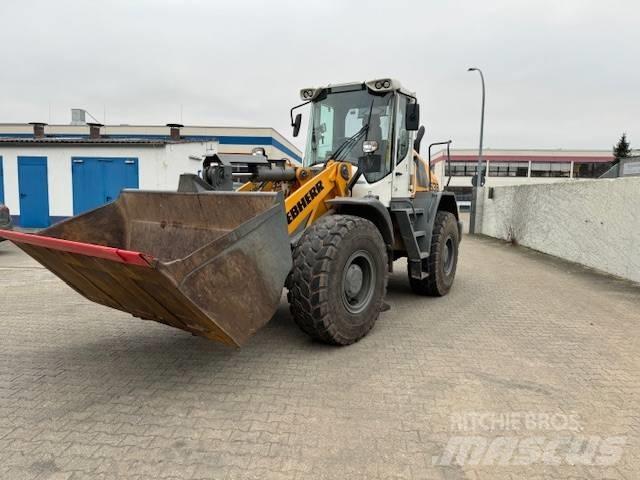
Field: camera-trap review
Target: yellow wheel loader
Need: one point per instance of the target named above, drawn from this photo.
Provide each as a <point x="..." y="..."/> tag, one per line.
<point x="213" y="257"/>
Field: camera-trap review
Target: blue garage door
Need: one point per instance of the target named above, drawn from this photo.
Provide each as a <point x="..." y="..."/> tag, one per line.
<point x="34" y="191"/>
<point x="1" y="182"/>
<point x="97" y="181"/>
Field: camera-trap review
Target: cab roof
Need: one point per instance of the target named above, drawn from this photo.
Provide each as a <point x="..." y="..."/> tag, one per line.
<point x="375" y="85"/>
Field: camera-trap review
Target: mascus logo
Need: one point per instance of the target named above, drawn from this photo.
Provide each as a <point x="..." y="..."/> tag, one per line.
<point x="304" y="202"/>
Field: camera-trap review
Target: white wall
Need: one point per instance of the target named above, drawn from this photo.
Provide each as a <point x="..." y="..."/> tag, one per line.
<point x="504" y="181"/>
<point x="592" y="222"/>
<point x="159" y="168"/>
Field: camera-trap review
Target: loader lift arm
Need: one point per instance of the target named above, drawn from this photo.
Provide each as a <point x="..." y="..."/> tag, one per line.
<point x="309" y="201"/>
<point x="307" y="190"/>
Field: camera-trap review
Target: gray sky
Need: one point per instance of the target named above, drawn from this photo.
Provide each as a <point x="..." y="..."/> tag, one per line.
<point x="560" y="73"/>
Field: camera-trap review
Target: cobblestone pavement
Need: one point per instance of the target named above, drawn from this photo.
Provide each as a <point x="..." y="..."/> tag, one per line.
<point x="89" y="392"/>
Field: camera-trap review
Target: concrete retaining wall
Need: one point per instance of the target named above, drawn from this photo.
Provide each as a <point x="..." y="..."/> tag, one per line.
<point x="592" y="222"/>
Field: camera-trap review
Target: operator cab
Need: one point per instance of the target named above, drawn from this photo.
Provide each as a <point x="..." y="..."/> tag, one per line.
<point x="367" y="124"/>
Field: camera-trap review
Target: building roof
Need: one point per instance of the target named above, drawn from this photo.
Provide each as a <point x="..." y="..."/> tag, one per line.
<point x="87" y="140"/>
<point x="151" y="135"/>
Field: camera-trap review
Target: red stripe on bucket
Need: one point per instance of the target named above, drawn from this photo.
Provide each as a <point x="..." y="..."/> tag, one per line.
<point x="88" y="249"/>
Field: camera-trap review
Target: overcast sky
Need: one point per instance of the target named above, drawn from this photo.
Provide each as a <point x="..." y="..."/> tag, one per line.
<point x="559" y="73"/>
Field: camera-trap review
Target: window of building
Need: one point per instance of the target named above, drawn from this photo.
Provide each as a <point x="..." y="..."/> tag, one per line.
<point x="461" y="169"/>
<point x="508" y="169"/>
<point x="590" y="169"/>
<point x="550" y="169"/>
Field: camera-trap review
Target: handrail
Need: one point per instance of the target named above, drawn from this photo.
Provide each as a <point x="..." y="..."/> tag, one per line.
<point x="448" y="144"/>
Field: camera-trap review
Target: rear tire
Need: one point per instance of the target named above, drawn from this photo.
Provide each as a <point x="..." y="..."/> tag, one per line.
<point x="339" y="279"/>
<point x="443" y="258"/>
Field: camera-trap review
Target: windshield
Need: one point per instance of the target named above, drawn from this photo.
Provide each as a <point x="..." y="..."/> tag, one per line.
<point x="342" y="121"/>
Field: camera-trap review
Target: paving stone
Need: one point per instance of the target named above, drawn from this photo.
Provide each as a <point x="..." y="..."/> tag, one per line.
<point x="89" y="392"/>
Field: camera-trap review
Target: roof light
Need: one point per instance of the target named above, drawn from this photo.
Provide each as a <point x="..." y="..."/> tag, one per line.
<point x="307" y="93"/>
<point x="382" y="85"/>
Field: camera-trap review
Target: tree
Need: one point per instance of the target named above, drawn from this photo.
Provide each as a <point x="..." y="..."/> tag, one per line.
<point x="622" y="149"/>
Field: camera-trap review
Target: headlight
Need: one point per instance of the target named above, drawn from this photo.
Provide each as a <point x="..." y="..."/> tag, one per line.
<point x="369" y="146"/>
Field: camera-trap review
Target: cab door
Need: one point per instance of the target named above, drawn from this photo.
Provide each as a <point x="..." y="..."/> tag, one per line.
<point x="403" y="149"/>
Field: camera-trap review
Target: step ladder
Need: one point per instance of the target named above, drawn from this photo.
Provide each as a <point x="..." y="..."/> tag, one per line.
<point x="415" y="241"/>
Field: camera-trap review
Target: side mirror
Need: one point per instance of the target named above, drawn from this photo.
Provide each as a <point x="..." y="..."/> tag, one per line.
<point x="296" y="124"/>
<point x="413" y="117"/>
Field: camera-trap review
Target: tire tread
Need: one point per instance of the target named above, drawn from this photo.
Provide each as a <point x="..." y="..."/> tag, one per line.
<point x="433" y="285"/>
<point x="313" y="254"/>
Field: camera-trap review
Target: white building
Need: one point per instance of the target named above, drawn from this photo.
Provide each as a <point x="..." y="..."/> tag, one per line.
<point x="51" y="172"/>
<point x="514" y="167"/>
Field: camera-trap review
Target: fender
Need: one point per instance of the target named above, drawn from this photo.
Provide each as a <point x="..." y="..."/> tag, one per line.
<point x="447" y="202"/>
<point x="432" y="203"/>
<point x="366" y="207"/>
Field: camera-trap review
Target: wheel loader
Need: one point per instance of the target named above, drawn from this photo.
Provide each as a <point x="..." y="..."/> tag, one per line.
<point x="213" y="257"/>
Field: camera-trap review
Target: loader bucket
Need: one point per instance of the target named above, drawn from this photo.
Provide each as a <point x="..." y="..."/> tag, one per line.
<point x="212" y="264"/>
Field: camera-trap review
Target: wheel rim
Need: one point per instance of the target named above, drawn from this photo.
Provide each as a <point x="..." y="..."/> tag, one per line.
<point x="358" y="282"/>
<point x="449" y="256"/>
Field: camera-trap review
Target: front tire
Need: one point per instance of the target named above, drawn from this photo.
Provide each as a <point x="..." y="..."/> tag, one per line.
<point x="443" y="258"/>
<point x="339" y="279"/>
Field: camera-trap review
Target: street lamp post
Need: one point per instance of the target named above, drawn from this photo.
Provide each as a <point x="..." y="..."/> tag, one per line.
<point x="479" y="178"/>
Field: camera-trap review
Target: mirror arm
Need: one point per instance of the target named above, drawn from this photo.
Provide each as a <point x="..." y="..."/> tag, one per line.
<point x="292" y="109"/>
